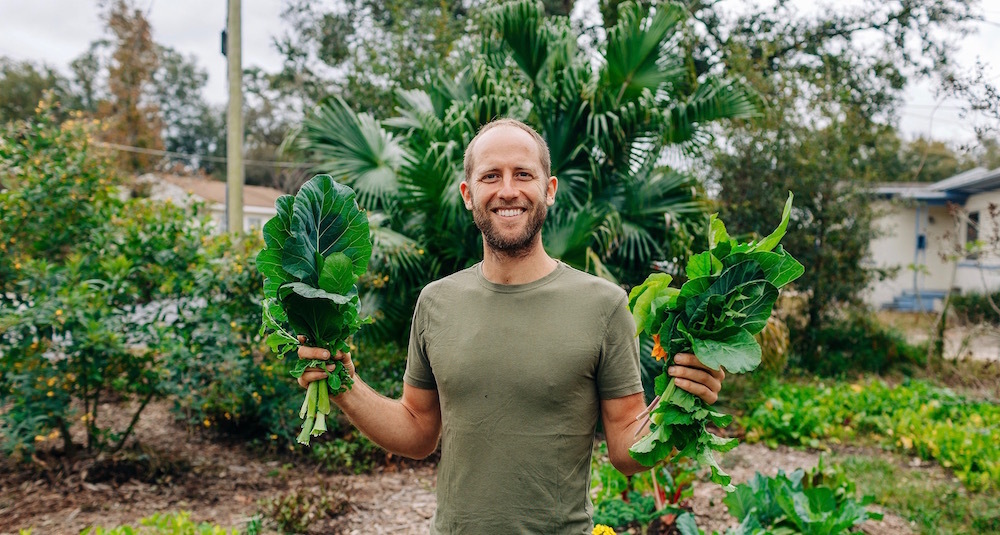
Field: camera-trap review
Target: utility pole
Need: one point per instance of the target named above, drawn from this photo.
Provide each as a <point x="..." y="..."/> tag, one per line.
<point x="234" y="123"/>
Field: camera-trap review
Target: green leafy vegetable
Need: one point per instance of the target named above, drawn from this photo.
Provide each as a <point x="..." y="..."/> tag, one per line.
<point x="727" y="299"/>
<point x="316" y="248"/>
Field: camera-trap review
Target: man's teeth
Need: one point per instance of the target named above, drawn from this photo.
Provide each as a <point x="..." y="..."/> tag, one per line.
<point x="509" y="212"/>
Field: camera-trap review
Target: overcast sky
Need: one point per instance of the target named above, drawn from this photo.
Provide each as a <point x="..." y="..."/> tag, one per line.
<point x="57" y="31"/>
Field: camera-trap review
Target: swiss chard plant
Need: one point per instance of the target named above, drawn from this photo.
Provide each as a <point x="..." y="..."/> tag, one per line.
<point x="316" y="248"/>
<point x="727" y="299"/>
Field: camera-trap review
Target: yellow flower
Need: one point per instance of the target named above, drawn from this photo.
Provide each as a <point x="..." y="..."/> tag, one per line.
<point x="49" y="393"/>
<point x="51" y="381"/>
<point x="601" y="529"/>
<point x="207" y="422"/>
<point x="59" y="312"/>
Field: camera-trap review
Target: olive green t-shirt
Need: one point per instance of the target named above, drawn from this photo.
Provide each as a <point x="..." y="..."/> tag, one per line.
<point x="520" y="371"/>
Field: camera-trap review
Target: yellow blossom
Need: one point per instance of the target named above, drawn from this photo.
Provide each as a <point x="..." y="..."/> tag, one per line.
<point x="39" y="438"/>
<point x="59" y="312"/>
<point x="51" y="381"/>
<point x="207" y="422"/>
<point x="601" y="529"/>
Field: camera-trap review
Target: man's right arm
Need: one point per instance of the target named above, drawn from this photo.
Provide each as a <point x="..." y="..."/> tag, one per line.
<point x="409" y="426"/>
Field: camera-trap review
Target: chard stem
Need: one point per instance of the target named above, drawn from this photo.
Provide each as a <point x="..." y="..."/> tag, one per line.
<point x="649" y="408"/>
<point x="307" y="427"/>
<point x="323" y="403"/>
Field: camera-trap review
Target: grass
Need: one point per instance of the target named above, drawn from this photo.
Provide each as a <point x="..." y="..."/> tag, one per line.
<point x="929" y="497"/>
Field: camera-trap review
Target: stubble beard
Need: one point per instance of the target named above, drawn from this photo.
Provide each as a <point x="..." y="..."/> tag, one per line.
<point x="516" y="246"/>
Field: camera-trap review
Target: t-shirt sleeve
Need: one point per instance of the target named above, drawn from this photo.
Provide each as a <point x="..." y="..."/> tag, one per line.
<point x="418" y="366"/>
<point x="618" y="372"/>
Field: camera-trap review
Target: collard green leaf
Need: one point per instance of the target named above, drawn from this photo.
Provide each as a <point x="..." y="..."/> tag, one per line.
<point x="739" y="353"/>
<point x="642" y="296"/>
<point x="716" y="232"/>
<point x="326" y="219"/>
<point x="278" y="228"/>
<point x="269" y="265"/>
<point x="337" y="275"/>
<point x="772" y="240"/>
<point x="703" y="264"/>
<point x="749" y="305"/>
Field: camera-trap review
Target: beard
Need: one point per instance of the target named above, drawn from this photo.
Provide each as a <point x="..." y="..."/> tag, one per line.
<point x="516" y="245"/>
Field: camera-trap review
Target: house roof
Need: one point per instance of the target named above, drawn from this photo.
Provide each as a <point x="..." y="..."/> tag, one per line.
<point x="952" y="189"/>
<point x="215" y="190"/>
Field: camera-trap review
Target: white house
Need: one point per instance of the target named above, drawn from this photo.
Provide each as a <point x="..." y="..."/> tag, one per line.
<point x="258" y="201"/>
<point x="919" y="233"/>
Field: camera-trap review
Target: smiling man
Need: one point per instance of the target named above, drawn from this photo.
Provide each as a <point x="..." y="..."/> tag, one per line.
<point x="512" y="362"/>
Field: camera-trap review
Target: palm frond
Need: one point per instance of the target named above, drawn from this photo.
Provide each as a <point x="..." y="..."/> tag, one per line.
<point x="713" y="100"/>
<point x="521" y="25"/>
<point x="633" y="59"/>
<point x="355" y="150"/>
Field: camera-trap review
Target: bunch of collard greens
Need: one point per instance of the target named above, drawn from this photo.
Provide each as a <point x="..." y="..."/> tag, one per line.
<point x="315" y="249"/>
<point x="726" y="300"/>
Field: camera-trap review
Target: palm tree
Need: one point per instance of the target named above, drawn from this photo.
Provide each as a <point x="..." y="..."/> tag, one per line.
<point x="610" y="117"/>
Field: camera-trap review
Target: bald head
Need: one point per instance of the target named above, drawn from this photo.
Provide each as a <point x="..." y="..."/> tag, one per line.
<point x="543" y="148"/>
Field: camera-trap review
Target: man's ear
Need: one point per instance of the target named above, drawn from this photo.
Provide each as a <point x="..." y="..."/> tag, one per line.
<point x="466" y="194"/>
<point x="550" y="191"/>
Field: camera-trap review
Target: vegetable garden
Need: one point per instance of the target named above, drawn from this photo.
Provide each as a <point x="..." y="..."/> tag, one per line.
<point x="140" y="394"/>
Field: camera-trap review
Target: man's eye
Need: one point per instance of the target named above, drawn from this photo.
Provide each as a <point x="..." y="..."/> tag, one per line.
<point x="524" y="175"/>
<point x="492" y="177"/>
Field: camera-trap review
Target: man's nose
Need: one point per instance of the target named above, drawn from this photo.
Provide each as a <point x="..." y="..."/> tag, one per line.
<point x="507" y="189"/>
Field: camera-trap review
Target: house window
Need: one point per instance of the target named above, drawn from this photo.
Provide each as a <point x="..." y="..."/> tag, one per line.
<point x="972" y="233"/>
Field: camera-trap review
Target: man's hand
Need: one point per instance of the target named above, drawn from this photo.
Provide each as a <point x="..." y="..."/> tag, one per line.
<point x="316" y="353"/>
<point x="692" y="376"/>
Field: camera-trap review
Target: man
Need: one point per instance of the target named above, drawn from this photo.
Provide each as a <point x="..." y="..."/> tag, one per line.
<point x="511" y="362"/>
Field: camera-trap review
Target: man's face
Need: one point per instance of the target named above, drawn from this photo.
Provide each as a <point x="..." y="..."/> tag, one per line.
<point x="508" y="191"/>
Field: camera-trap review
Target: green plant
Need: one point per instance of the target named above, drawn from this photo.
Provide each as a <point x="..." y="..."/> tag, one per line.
<point x="317" y="247"/>
<point x="914" y="417"/>
<point x="163" y="524"/>
<point x="727" y="299"/>
<point x="783" y="504"/>
<point x="304" y="510"/>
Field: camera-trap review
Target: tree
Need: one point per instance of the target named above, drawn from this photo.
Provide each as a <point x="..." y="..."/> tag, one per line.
<point x="828" y="131"/>
<point x="365" y="50"/>
<point x="190" y="124"/>
<point x="132" y="117"/>
<point x="609" y="125"/>
<point x="23" y="86"/>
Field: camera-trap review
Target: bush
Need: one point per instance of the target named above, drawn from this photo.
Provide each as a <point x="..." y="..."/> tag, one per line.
<point x="975" y="308"/>
<point x="859" y="343"/>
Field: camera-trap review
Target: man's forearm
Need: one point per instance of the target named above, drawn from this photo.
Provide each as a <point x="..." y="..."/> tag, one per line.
<point x="410" y="431"/>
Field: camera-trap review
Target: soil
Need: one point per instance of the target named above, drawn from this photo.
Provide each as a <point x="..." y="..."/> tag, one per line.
<point x="168" y="469"/>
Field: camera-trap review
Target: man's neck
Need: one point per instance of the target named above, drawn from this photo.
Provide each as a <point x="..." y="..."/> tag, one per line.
<point x="522" y="269"/>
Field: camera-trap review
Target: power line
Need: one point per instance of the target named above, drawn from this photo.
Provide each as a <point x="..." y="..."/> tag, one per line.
<point x="216" y="159"/>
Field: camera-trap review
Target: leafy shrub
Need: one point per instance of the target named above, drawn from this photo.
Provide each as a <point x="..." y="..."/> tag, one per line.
<point x="974" y="308"/>
<point x="859" y="343"/>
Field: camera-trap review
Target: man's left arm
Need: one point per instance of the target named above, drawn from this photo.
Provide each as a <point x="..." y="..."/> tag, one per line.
<point x="619" y="414"/>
